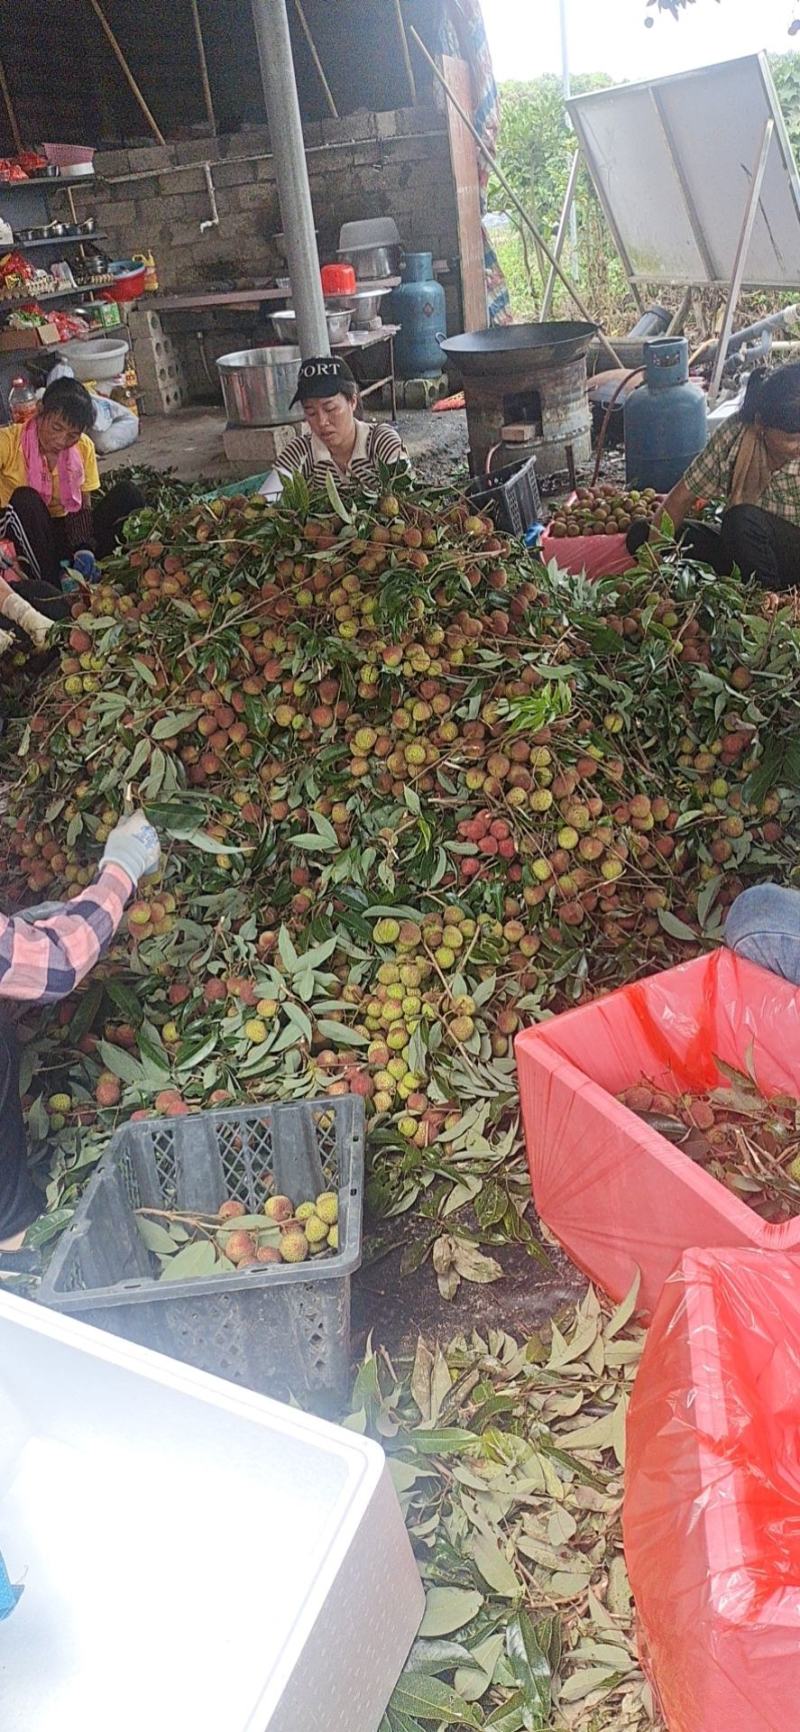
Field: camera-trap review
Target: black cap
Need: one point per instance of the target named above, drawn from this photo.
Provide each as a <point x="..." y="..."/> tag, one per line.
<point x="323" y="376"/>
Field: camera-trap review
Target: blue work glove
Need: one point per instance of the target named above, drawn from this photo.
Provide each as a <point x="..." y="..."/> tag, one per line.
<point x="133" y="845"/>
<point x="86" y="565"/>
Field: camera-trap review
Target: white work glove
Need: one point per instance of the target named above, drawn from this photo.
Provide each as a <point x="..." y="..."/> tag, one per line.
<point x="7" y="642"/>
<point x="133" y="845"/>
<point x="20" y="612"/>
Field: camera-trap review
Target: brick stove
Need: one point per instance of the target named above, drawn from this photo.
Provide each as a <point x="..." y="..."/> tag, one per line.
<point x="526" y="396"/>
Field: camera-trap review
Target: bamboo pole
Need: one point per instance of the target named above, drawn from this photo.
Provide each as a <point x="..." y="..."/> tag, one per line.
<point x="106" y="27"/>
<point x="507" y="187"/>
<point x="316" y="59"/>
<point x="17" y="135"/>
<point x="201" y="55"/>
<point x="406" y="52"/>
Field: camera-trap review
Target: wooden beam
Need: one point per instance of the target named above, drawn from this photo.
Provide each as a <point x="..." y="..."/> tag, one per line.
<point x="17" y="135"/>
<point x="316" y="59"/>
<point x="201" y="55"/>
<point x="131" y="81"/>
<point x="401" y="29"/>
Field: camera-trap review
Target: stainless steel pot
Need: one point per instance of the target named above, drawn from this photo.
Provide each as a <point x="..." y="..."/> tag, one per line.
<point x="284" y="324"/>
<point x="258" y="386"/>
<point x="365" y="305"/>
<point x="372" y="263"/>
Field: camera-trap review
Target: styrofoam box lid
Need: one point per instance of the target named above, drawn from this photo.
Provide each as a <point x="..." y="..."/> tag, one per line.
<point x="373" y="232"/>
<point x="179" y="1540"/>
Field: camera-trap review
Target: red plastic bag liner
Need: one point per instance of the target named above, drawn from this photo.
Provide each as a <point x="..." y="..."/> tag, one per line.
<point x="593" y="555"/>
<point x="712" y="1499"/>
<point x="614" y="1192"/>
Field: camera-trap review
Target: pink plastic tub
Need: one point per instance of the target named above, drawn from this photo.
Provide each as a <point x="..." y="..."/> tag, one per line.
<point x="712" y="1494"/>
<point x="616" y="1194"/>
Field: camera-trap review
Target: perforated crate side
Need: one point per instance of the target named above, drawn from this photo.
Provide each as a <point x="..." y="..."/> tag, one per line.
<point x="288" y="1341"/>
<point x="283" y="1327"/>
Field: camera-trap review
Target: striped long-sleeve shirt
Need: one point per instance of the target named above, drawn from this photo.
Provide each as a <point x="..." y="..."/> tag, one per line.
<point x="376" y="442"/>
<point x="43" y="960"/>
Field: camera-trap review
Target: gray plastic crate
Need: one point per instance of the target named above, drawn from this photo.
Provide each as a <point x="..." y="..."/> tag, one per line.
<point x="281" y="1329"/>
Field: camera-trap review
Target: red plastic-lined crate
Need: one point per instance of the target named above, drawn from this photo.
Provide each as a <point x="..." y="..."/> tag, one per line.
<point x="712" y="1494"/>
<point x="614" y="1192"/>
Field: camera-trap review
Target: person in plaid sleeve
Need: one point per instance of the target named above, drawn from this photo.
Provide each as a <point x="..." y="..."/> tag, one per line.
<point x="752" y="464"/>
<point x="44" y="954"/>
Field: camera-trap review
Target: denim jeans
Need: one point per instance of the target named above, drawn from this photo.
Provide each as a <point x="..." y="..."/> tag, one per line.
<point x="763" y="924"/>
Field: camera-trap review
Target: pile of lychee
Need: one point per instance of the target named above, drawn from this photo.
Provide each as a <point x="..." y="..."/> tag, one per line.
<point x="307" y="1229"/>
<point x="603" y="511"/>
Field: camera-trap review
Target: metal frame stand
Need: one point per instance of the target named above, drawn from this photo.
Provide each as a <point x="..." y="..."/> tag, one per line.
<point x="740" y="260"/>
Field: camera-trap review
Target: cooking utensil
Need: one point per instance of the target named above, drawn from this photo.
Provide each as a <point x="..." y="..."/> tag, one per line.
<point x="364" y="306"/>
<point x="500" y="350"/>
<point x="373" y="262"/>
<point x="338" y="280"/>
<point x="258" y="386"/>
<point x="284" y="324"/>
<point x="372" y="232"/>
<point x="57" y="230"/>
<point x="87" y="227"/>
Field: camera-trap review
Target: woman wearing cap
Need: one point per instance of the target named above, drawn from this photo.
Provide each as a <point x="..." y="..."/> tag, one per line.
<point x="338" y="443"/>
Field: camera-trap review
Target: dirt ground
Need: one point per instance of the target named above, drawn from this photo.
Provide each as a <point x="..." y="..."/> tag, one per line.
<point x="190" y="444"/>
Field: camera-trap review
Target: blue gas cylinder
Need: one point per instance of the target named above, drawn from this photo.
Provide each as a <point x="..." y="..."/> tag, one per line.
<point x="418" y="308"/>
<point x="665" y="421"/>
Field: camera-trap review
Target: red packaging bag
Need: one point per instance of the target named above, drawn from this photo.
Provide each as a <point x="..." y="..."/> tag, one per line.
<point x="711" y="1517"/>
<point x="591" y="555"/>
<point x="614" y="1192"/>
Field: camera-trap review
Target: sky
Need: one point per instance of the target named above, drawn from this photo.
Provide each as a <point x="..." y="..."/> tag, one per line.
<point x="610" y="36"/>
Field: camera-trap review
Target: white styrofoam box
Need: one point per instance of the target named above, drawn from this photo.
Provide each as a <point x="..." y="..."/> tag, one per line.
<point x="193" y="1555"/>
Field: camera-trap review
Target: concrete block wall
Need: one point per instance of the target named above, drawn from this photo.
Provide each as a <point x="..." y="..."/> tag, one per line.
<point x="155" y="197"/>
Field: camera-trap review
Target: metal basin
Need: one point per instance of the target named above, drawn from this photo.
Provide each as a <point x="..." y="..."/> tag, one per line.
<point x="365" y="305"/>
<point x="258" y="385"/>
<point x="373" y="262"/>
<point x="501" y="349"/>
<point x="284" y="325"/>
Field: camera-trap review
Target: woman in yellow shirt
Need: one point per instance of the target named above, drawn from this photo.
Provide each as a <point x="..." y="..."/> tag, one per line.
<point x="48" y="474"/>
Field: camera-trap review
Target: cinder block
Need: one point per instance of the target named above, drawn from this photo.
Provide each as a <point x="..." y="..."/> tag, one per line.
<point x="353" y="126"/>
<point x="255" y="448"/>
<point x="181" y="180"/>
<point x="112" y="161"/>
<point x="196" y="150"/>
<point x="153" y="158"/>
<point x="228" y="174"/>
<point x="386" y="124"/>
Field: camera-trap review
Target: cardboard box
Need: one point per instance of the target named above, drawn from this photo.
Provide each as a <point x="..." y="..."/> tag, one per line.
<point x="34" y="337"/>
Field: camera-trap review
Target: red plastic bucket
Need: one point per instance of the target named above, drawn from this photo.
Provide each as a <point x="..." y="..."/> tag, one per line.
<point x="338" y="280"/>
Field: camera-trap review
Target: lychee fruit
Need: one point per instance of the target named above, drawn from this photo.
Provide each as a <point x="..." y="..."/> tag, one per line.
<point x="278" y="1208"/>
<point x="327" y="1207"/>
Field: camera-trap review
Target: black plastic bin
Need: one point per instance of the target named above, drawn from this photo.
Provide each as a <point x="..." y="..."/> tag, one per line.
<point x="281" y="1329"/>
<point x="511" y="497"/>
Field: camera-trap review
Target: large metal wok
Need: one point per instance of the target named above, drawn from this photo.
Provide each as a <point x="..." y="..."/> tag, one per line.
<point x="500" y="350"/>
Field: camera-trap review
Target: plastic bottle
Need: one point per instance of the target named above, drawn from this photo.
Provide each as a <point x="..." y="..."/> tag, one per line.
<point x="22" y="401"/>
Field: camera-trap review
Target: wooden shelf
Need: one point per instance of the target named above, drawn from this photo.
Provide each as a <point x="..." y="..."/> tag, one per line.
<point x="57" y="241"/>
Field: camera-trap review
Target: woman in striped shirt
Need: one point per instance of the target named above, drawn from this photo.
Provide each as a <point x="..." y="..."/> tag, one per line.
<point x="338" y="443"/>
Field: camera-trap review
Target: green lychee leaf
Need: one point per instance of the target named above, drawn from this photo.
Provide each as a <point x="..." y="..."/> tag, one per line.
<point x="194" y="1260"/>
<point x="430" y="1700"/>
<point x="156" y="1237"/>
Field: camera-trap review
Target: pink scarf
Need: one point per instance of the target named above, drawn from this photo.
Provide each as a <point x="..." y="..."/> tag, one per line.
<point x="69" y="466"/>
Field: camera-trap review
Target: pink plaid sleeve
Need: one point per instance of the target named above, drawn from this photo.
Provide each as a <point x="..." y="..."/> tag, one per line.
<point x="45" y="960"/>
